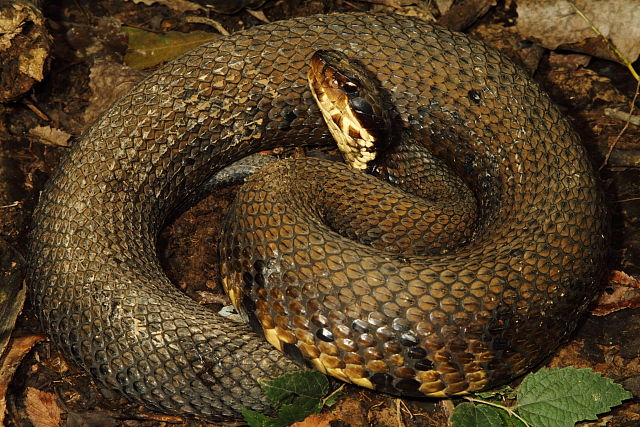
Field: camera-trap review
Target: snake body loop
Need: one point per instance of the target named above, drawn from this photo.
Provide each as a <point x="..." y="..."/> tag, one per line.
<point x="470" y="318"/>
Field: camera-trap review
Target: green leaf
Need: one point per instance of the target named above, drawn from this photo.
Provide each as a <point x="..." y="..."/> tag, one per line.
<point x="469" y="415"/>
<point x="296" y="387"/>
<point x="505" y="391"/>
<point x="289" y="414"/>
<point x="256" y="419"/>
<point x="510" y="421"/>
<point x="147" y="49"/>
<point x="296" y="395"/>
<point x="333" y="398"/>
<point x="562" y="397"/>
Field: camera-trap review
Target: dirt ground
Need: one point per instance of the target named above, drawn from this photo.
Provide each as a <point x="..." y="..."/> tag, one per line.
<point x="82" y="73"/>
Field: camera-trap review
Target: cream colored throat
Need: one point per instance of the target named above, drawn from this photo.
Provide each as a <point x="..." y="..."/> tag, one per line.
<point x="354" y="142"/>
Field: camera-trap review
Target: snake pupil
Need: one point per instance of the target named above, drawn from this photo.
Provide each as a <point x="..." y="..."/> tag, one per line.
<point x="361" y="106"/>
<point x="351" y="87"/>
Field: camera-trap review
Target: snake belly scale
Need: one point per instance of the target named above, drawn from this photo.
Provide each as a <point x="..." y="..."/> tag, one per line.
<point x="471" y="318"/>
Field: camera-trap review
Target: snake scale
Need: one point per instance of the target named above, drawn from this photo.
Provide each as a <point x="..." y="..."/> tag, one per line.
<point x="439" y="325"/>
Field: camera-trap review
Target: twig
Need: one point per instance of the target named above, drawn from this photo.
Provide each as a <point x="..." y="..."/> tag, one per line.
<point x="622" y="116"/>
<point x="38" y="112"/>
<point x="629" y="66"/>
<point x="610" y="43"/>
<point x="406" y="409"/>
<point x="259" y="15"/>
<point x="207" y="21"/>
<point x="624" y="128"/>
<point x="336" y="391"/>
<point x="12" y="205"/>
<point x="399" y="414"/>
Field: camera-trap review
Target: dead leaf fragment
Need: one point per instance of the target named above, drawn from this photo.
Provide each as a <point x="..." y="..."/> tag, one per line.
<point x="24" y="48"/>
<point x="220" y="6"/>
<point x="624" y="292"/>
<point x="12" y="295"/>
<point x="147" y="49"/>
<point x="464" y="13"/>
<point x="571" y="61"/>
<point x="556" y="23"/>
<point x="622" y="278"/>
<point x="178" y="5"/>
<point x="581" y="87"/>
<point x="315" y="420"/>
<point x="42" y="408"/>
<point x="51" y="136"/>
<point x="18" y="348"/>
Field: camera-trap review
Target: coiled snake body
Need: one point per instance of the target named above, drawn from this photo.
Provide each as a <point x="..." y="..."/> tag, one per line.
<point x="470" y="318"/>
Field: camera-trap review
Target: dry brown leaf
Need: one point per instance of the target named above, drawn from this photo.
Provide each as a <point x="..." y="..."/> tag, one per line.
<point x="24" y="48"/>
<point x="50" y="136"/>
<point x="12" y="297"/>
<point x="624" y="292"/>
<point x="221" y="6"/>
<point x="464" y="13"/>
<point x="444" y="5"/>
<point x="622" y="278"/>
<point x="315" y="420"/>
<point x="19" y="347"/>
<point x="556" y="22"/>
<point x="420" y="9"/>
<point x="42" y="408"/>
<point x="178" y="5"/>
<point x="619" y="298"/>
<point x="147" y="49"/>
<point x="572" y="61"/>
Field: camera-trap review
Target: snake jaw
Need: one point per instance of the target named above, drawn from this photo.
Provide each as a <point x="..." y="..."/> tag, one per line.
<point x="350" y="105"/>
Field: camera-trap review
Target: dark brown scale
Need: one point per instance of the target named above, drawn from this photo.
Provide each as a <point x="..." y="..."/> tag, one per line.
<point x="103" y="298"/>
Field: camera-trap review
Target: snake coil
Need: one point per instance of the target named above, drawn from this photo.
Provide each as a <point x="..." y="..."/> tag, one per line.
<point x="471" y="318"/>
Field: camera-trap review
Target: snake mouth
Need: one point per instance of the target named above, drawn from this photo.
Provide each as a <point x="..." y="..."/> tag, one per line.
<point x="351" y="105"/>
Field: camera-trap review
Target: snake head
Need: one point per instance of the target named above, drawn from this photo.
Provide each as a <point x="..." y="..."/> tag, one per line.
<point x="352" y="106"/>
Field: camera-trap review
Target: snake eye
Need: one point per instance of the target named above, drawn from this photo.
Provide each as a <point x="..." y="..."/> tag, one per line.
<point x="362" y="106"/>
<point x="350" y="87"/>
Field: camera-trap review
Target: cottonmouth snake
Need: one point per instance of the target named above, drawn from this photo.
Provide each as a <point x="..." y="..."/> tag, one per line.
<point x="468" y="319"/>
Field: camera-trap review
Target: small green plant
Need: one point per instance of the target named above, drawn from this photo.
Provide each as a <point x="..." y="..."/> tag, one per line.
<point x="547" y="398"/>
<point x="295" y="396"/>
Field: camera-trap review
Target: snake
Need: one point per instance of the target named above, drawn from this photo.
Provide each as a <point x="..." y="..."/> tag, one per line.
<point x="465" y="318"/>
